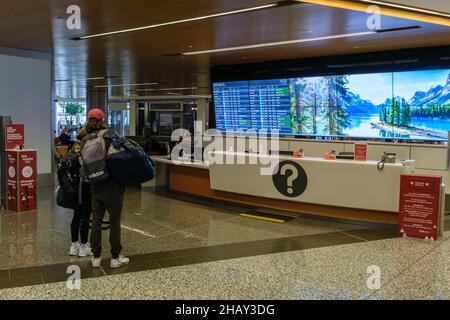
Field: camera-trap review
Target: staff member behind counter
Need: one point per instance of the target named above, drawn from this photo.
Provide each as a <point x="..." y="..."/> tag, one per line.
<point x="151" y="146"/>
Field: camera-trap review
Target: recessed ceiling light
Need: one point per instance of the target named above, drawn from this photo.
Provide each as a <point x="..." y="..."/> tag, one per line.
<point x="216" y="15"/>
<point x="281" y="43"/>
<point x="81" y="79"/>
<point x="169" y="89"/>
<point x="127" y="85"/>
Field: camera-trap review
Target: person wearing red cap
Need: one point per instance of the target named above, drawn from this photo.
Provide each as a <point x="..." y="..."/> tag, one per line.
<point x="96" y="114"/>
<point x="106" y="195"/>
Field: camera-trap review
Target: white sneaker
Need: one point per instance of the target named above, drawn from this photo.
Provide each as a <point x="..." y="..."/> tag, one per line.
<point x="119" y="262"/>
<point x="74" y="249"/>
<point x="85" y="251"/>
<point x="96" y="262"/>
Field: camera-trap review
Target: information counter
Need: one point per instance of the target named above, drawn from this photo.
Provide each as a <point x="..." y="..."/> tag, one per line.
<point x="334" y="188"/>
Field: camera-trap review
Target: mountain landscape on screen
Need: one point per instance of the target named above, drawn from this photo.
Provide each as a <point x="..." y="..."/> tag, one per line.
<point x="425" y="114"/>
<point x="343" y="105"/>
<point x="435" y="96"/>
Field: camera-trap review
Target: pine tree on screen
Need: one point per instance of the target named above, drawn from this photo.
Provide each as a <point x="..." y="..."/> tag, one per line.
<point x="337" y="116"/>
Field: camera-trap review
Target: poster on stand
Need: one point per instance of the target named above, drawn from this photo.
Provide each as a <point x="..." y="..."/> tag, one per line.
<point x="22" y="179"/>
<point x="420" y="206"/>
<point x="14" y="136"/>
<point x="27" y="180"/>
<point x="11" y="181"/>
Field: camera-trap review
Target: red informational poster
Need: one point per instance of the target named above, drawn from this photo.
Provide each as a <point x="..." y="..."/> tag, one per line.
<point x="14" y="136"/>
<point x="420" y="206"/>
<point x="27" y="180"/>
<point x="21" y="168"/>
<point x="360" y="152"/>
<point x="11" y="181"/>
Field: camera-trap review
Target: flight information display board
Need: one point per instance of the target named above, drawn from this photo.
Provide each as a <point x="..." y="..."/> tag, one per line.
<point x="270" y="107"/>
<point x="256" y="105"/>
<point x="232" y="106"/>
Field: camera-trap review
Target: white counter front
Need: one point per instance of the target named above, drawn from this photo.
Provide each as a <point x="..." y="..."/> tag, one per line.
<point x="340" y="183"/>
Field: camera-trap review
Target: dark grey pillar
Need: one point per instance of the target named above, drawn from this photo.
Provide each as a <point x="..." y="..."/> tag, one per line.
<point x="97" y="99"/>
<point x="4" y="120"/>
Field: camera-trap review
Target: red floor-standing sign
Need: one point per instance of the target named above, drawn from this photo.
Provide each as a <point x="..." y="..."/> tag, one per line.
<point x="420" y="206"/>
<point x="11" y="181"/>
<point x="21" y="169"/>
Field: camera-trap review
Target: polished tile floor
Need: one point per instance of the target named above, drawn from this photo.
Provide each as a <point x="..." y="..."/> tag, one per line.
<point x="184" y="248"/>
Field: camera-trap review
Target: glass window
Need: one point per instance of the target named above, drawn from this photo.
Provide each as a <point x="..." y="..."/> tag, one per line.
<point x="119" y="118"/>
<point x="68" y="117"/>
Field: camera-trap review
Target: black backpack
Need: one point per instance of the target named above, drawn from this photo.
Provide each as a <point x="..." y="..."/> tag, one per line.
<point x="69" y="173"/>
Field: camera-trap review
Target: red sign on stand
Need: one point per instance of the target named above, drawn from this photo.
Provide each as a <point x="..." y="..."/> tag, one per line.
<point x="420" y="206"/>
<point x="27" y="180"/>
<point x="21" y="167"/>
<point x="360" y="152"/>
<point x="11" y="181"/>
<point x="14" y="136"/>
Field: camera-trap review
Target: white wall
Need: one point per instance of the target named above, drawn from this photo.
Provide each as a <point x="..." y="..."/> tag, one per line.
<point x="25" y="95"/>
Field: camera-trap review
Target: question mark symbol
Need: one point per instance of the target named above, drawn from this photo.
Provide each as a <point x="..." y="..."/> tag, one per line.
<point x="291" y="178"/>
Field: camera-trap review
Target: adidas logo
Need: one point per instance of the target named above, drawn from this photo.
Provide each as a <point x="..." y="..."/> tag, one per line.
<point x="95" y="175"/>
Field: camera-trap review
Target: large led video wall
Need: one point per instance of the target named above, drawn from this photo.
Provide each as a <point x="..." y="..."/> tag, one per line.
<point x="401" y="105"/>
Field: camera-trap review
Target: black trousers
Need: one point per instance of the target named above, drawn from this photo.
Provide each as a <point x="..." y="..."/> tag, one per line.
<point x="107" y="195"/>
<point x="81" y="216"/>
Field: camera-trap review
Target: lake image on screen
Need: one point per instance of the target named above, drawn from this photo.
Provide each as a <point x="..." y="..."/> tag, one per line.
<point x="404" y="105"/>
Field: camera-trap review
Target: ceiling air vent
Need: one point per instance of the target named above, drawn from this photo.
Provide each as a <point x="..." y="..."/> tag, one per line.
<point x="398" y="29"/>
<point x="406" y="61"/>
<point x="297" y="69"/>
<point x="173" y="55"/>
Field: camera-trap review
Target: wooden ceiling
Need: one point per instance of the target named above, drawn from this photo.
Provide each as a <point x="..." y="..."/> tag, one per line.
<point x="148" y="56"/>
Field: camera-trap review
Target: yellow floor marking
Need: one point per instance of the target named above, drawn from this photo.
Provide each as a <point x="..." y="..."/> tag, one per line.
<point x="261" y="218"/>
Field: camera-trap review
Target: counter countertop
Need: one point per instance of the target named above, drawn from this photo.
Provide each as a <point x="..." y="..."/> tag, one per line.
<point x="205" y="165"/>
<point x="165" y="159"/>
<point x="314" y="159"/>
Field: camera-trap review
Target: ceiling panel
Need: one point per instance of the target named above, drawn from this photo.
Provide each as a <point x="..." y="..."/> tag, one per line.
<point x="142" y="56"/>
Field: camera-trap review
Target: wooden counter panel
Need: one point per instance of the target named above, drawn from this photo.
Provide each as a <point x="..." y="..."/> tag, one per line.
<point x="195" y="181"/>
<point x="190" y="180"/>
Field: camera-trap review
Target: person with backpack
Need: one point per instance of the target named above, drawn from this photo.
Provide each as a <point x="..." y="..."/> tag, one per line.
<point x="82" y="212"/>
<point x="65" y="138"/>
<point x="74" y="194"/>
<point x="107" y="193"/>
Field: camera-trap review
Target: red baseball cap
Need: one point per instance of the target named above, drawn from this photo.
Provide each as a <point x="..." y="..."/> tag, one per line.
<point x="96" y="114"/>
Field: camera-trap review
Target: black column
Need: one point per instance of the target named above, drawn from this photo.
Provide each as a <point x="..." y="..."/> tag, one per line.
<point x="4" y="120"/>
<point x="97" y="99"/>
